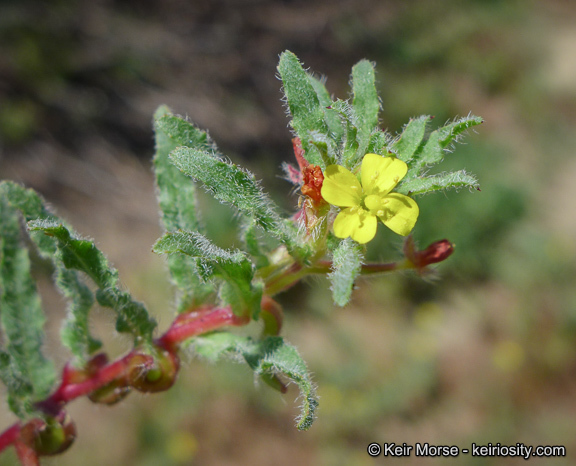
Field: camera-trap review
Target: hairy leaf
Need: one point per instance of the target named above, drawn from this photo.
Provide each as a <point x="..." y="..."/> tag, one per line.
<point x="27" y="374"/>
<point x="233" y="185"/>
<point x="177" y="200"/>
<point x="411" y="138"/>
<point x="428" y="184"/>
<point x="302" y="99"/>
<point x="346" y="264"/>
<point x="366" y="103"/>
<point x="331" y="117"/>
<point x="75" y="330"/>
<point x="83" y="255"/>
<point x="235" y="268"/>
<point x="269" y="356"/>
<point x="440" y="140"/>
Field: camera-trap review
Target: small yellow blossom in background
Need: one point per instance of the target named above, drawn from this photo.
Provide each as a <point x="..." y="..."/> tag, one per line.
<point x="370" y="198"/>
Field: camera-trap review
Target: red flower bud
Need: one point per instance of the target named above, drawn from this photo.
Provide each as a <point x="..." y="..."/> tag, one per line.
<point x="436" y="252"/>
<point x="313" y="179"/>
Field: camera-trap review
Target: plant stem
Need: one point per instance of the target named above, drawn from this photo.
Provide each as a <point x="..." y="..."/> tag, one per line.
<point x="9" y="436"/>
<point x="197" y="322"/>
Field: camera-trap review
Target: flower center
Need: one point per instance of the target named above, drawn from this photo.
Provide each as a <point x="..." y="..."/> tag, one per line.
<point x="374" y="203"/>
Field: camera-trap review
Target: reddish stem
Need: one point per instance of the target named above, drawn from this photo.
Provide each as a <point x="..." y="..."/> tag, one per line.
<point x="184" y="326"/>
<point x="197" y="322"/>
<point x="9" y="436"/>
<point x="69" y="391"/>
<point x="26" y="455"/>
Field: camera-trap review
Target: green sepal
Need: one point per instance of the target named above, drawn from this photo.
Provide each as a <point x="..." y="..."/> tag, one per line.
<point x="346" y="265"/>
<point x="238" y="287"/>
<point x="83" y="255"/>
<point x="271" y="355"/>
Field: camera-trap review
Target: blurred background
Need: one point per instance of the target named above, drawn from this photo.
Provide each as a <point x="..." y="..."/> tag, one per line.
<point x="485" y="352"/>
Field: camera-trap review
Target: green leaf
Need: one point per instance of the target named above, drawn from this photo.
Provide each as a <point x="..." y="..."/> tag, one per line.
<point x="254" y="243"/>
<point x="366" y="102"/>
<point x="411" y="138"/>
<point x="176" y="193"/>
<point x="271" y="356"/>
<point x="441" y="140"/>
<point x="346" y="264"/>
<point x="379" y="142"/>
<point x="75" y="331"/>
<point x="177" y="200"/>
<point x="331" y="117"/>
<point x="27" y="374"/>
<point x="233" y="185"/>
<point x="83" y="255"/>
<point x="236" y="270"/>
<point x="419" y="186"/>
<point x="302" y="99"/>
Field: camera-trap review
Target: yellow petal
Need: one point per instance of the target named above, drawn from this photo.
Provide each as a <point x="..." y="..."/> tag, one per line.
<point x="341" y="187"/>
<point x="357" y="223"/>
<point x="380" y="174"/>
<point x="400" y="213"/>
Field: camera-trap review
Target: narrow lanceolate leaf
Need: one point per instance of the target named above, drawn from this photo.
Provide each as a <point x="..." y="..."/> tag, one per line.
<point x="177" y="200"/>
<point x="440" y="140"/>
<point x="346" y="265"/>
<point x="331" y="117"/>
<point x="379" y="142"/>
<point x="443" y="181"/>
<point x="27" y="374"/>
<point x="236" y="270"/>
<point x="305" y="108"/>
<point x="75" y="331"/>
<point x="83" y="255"/>
<point x="271" y="356"/>
<point x="233" y="185"/>
<point x="411" y="138"/>
<point x="366" y="102"/>
<point x="176" y="194"/>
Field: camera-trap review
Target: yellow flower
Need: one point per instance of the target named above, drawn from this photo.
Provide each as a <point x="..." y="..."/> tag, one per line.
<point x="370" y="198"/>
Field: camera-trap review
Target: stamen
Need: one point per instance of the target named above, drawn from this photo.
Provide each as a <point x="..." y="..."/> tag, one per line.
<point x="396" y="179"/>
<point x="380" y="213"/>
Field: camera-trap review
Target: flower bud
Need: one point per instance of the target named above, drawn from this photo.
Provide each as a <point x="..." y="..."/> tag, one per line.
<point x="49" y="437"/>
<point x="434" y="253"/>
<point x="153" y="371"/>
